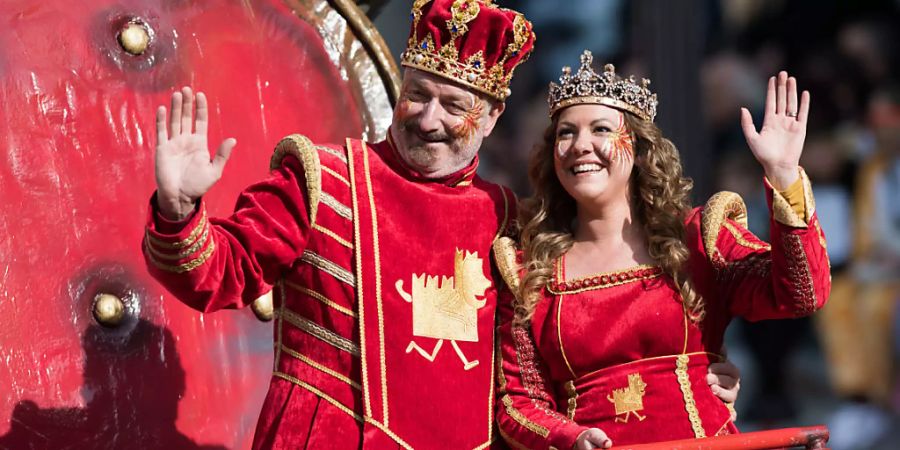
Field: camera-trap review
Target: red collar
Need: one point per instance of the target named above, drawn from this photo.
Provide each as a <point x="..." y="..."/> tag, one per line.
<point x="460" y="178"/>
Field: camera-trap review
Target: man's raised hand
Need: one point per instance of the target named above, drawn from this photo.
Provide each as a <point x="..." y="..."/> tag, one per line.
<point x="184" y="169"/>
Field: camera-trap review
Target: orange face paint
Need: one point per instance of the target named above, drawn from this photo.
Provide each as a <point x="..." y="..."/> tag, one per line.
<point x="619" y="146"/>
<point x="468" y="126"/>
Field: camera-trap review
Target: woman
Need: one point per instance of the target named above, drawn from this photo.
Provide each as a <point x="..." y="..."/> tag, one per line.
<point x="623" y="292"/>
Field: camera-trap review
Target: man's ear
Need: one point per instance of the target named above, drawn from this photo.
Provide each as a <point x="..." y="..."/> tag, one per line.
<point x="497" y="108"/>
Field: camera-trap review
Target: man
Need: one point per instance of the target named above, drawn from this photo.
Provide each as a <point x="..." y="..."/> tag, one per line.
<point x="378" y="253"/>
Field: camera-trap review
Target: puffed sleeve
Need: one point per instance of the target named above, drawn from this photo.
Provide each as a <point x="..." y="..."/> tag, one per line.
<point x="211" y="264"/>
<point x="789" y="278"/>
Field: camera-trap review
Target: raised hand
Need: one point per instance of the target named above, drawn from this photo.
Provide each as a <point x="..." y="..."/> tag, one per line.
<point x="778" y="145"/>
<point x="184" y="170"/>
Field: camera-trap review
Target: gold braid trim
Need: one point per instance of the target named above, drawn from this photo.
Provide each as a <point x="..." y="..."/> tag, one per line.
<point x="156" y="242"/>
<point x="336" y="175"/>
<point x="505" y="257"/>
<point x="198" y="244"/>
<point x="321" y="298"/>
<point x="303" y="149"/>
<point x="681" y="365"/>
<point x="784" y="214"/>
<point x="319" y="332"/>
<point x="338" y="207"/>
<point x="320" y="367"/>
<point x="573" y="398"/>
<point x="741" y="240"/>
<point x="720" y="207"/>
<point x="320" y="394"/>
<point x="329" y="267"/>
<point x="188" y="266"/>
<point x="522" y="420"/>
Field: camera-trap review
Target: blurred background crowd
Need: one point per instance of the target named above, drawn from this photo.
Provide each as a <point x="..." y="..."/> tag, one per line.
<point x="706" y="59"/>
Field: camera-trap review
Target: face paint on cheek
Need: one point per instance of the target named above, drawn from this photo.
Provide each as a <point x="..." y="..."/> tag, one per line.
<point x="560" y="151"/>
<point x="619" y="147"/>
<point x="468" y="125"/>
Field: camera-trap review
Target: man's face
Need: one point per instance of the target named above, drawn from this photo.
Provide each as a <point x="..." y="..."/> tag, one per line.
<point x="438" y="125"/>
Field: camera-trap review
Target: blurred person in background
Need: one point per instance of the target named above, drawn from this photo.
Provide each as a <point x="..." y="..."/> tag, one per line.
<point x="858" y="327"/>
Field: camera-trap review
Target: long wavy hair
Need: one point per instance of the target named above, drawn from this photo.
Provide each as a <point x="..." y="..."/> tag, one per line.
<point x="660" y="198"/>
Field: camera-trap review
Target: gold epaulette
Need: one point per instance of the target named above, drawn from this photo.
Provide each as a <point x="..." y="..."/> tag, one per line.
<point x="720" y="207"/>
<point x="505" y="256"/>
<point x="303" y="149"/>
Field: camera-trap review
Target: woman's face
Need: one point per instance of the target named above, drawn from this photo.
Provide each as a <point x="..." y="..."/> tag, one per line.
<point x="594" y="154"/>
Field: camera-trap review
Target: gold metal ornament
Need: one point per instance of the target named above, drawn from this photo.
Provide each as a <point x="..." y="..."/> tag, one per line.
<point x="264" y="307"/>
<point x="135" y="37"/>
<point x="108" y="309"/>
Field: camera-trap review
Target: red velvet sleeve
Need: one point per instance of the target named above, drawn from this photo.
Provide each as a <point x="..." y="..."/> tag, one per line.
<point x="211" y="264"/>
<point x="789" y="278"/>
<point x="526" y="407"/>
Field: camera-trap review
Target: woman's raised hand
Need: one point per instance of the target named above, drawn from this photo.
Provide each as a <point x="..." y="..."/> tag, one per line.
<point x="184" y="169"/>
<point x="778" y="145"/>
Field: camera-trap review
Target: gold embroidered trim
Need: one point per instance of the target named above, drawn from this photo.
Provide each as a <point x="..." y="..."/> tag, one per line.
<point x="332" y="235"/>
<point x="201" y="225"/>
<point x="184" y="253"/>
<point x="799" y="274"/>
<point x="522" y="420"/>
<point x="332" y="152"/>
<point x="739" y="237"/>
<point x="573" y="399"/>
<point x="377" y="255"/>
<point x="721" y="206"/>
<point x="320" y="367"/>
<point x="505" y="257"/>
<point x="302" y="148"/>
<point x="336" y="175"/>
<point x="491" y="440"/>
<point x="188" y="266"/>
<point x="319" y="332"/>
<point x="532" y="379"/>
<point x="681" y="366"/>
<point x="782" y="211"/>
<point x="388" y="432"/>
<point x="558" y="285"/>
<point x="562" y="351"/>
<point x="654" y="358"/>
<point x="328" y="266"/>
<point x="338" y="207"/>
<point x="320" y="394"/>
<point x="367" y="405"/>
<point x="321" y="298"/>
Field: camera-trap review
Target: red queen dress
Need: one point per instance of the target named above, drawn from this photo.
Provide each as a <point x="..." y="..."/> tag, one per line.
<point x="617" y="351"/>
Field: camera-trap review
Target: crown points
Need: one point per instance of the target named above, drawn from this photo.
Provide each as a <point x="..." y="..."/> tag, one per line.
<point x="587" y="58"/>
<point x="605" y="88"/>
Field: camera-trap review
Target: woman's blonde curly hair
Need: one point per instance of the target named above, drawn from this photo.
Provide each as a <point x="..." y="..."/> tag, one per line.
<point x="661" y="201"/>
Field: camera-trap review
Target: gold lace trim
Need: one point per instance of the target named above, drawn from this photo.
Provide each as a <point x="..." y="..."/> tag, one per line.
<point x="319" y="332"/>
<point x="315" y="260"/>
<point x="573" y="398"/>
<point x="315" y="295"/>
<point x="188" y="266"/>
<point x="681" y="366"/>
<point x="321" y="368"/>
<point x="522" y="420"/>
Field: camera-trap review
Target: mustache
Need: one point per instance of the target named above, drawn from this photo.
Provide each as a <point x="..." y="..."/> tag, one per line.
<point x="434" y="136"/>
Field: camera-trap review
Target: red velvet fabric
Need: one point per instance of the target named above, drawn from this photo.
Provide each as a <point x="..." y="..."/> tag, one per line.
<point x="345" y="375"/>
<point x="595" y="339"/>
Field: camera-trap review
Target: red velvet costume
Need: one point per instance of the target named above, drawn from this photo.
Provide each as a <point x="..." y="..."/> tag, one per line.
<point x="384" y="333"/>
<point x="616" y="351"/>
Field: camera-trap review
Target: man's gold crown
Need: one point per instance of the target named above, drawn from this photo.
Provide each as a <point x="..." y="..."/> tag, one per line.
<point x="607" y="88"/>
